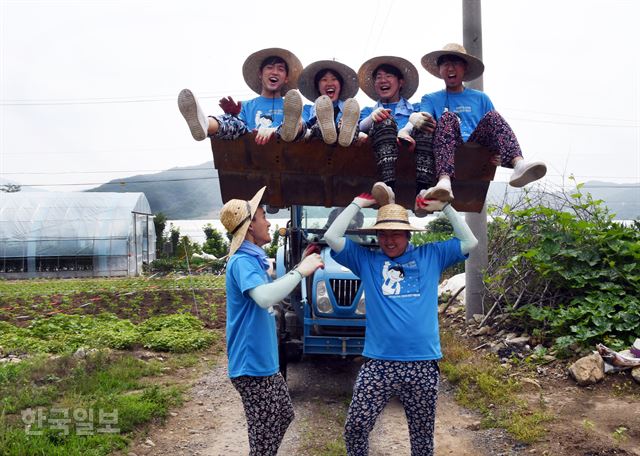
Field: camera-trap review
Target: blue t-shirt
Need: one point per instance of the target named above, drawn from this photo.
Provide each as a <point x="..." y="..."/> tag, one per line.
<point x="470" y="105"/>
<point x="252" y="345"/>
<point x="401" y="297"/>
<point x="306" y="112"/>
<point x="400" y="111"/>
<point x="267" y="112"/>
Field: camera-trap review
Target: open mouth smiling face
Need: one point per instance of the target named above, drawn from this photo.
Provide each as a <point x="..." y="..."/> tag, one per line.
<point x="452" y="71"/>
<point x="387" y="86"/>
<point x="329" y="85"/>
<point x="274" y="76"/>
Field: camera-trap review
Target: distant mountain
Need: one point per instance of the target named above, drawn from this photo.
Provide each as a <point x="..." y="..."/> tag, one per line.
<point x="194" y="193"/>
<point x="623" y="200"/>
<point x="191" y="192"/>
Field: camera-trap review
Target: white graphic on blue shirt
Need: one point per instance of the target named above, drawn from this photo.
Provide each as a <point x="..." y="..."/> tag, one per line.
<point x="391" y="278"/>
<point x="263" y="119"/>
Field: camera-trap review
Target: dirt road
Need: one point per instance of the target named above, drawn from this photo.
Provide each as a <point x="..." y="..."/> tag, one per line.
<point x="212" y="422"/>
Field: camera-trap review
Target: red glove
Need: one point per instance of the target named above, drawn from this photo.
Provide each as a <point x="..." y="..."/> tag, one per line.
<point x="229" y="106"/>
<point x="311" y="248"/>
<point x="364" y="200"/>
<point x="430" y="205"/>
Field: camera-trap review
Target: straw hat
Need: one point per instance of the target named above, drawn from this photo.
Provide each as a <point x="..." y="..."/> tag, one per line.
<point x="306" y="82"/>
<point x="392" y="217"/>
<point x="475" y="67"/>
<point x="251" y="68"/>
<point x="236" y="216"/>
<point x="409" y="72"/>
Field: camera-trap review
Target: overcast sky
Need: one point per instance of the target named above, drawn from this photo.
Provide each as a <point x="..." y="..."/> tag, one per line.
<point x="88" y="87"/>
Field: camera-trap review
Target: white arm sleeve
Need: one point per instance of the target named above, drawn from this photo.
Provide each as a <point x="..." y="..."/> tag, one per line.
<point x="335" y="234"/>
<point x="272" y="293"/>
<point x="461" y="230"/>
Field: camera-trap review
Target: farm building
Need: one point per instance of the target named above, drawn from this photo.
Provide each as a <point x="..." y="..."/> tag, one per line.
<point x="54" y="234"/>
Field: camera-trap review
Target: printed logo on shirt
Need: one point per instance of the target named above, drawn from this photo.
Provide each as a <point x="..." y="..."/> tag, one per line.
<point x="263" y="120"/>
<point x="400" y="280"/>
<point x="463" y="109"/>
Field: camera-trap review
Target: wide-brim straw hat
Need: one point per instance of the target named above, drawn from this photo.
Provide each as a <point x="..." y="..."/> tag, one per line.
<point x="251" y="68"/>
<point x="407" y="69"/>
<point x="475" y="67"/>
<point x="392" y="217"/>
<point x="236" y="216"/>
<point x="308" y="88"/>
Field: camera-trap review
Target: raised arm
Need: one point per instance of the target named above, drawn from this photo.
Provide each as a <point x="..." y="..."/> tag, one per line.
<point x="334" y="236"/>
<point x="272" y="293"/>
<point x="460" y="228"/>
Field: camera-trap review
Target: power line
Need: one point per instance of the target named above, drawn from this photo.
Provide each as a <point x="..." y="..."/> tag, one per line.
<point x="121" y="182"/>
<point x="113" y="100"/>
<point x="155" y="181"/>
<point x="104" y="172"/>
<point x="579" y="124"/>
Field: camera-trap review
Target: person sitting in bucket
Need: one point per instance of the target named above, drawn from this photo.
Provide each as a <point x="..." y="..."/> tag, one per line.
<point x="335" y="114"/>
<point x="402" y="342"/>
<point x="462" y="115"/>
<point x="391" y="81"/>
<point x="252" y="345"/>
<point x="269" y="72"/>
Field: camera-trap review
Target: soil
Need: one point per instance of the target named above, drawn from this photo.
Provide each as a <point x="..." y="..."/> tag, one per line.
<point x="212" y="421"/>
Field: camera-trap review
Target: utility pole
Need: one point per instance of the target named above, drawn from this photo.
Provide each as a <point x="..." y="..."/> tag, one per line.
<point x="478" y="259"/>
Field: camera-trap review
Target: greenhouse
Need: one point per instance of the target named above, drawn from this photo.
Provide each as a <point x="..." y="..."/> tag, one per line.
<point x="74" y="234"/>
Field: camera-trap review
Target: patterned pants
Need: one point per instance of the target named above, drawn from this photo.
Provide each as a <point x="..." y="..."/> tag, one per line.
<point x="416" y="385"/>
<point x="385" y="147"/>
<point x="268" y="409"/>
<point x="492" y="131"/>
<point x="230" y="127"/>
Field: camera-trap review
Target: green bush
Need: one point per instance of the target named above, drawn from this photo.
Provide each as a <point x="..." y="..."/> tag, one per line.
<point x="178" y="333"/>
<point x="569" y="272"/>
<point x="437" y="230"/>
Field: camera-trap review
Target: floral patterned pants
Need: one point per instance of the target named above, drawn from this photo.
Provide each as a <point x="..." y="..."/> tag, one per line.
<point x="415" y="383"/>
<point x="268" y="408"/>
<point x="230" y="127"/>
<point x="492" y="131"/>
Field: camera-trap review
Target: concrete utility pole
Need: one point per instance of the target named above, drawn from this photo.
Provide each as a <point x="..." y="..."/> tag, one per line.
<point x="478" y="259"/>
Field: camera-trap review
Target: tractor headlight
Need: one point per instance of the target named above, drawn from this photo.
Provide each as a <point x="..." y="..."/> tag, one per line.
<point x="361" y="308"/>
<point x="323" y="303"/>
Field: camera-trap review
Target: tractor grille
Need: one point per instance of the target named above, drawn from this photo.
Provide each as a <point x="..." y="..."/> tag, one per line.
<point x="344" y="290"/>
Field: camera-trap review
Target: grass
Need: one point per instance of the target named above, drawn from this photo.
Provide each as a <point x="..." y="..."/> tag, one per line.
<point x="323" y="435"/>
<point x="484" y="385"/>
<point x="54" y="381"/>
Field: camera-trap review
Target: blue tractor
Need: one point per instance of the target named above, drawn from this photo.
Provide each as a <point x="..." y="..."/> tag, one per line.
<point x="326" y="314"/>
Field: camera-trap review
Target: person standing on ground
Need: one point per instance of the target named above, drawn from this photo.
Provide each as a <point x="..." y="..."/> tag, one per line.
<point x="402" y="342"/>
<point x="252" y="346"/>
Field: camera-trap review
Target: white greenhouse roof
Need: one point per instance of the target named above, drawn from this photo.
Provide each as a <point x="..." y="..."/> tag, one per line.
<point x="67" y="223"/>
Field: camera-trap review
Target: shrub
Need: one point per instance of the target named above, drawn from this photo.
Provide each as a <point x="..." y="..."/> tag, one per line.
<point x="179" y="333"/>
<point x="568" y="271"/>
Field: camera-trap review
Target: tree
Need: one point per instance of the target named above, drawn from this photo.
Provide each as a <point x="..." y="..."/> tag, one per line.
<point x="174" y="235"/>
<point x="272" y="248"/>
<point x="215" y="243"/>
<point x="159" y="222"/>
